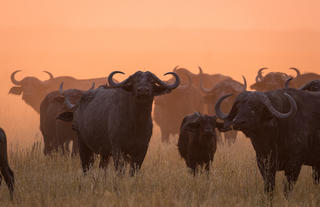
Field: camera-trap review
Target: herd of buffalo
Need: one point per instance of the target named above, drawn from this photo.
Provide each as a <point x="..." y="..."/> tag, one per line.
<point x="280" y="116"/>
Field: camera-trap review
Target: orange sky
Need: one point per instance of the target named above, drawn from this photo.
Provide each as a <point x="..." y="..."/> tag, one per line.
<point x="91" y="38"/>
<point x="240" y="14"/>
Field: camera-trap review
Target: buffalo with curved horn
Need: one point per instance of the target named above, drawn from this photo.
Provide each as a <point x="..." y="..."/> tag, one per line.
<point x="212" y="95"/>
<point x="302" y="78"/>
<point x="271" y="81"/>
<point x="310" y="86"/>
<point x="259" y="76"/>
<point x="207" y="79"/>
<point x="33" y="90"/>
<point x="116" y="121"/>
<point x="56" y="133"/>
<point x="281" y="127"/>
<point x="197" y="141"/>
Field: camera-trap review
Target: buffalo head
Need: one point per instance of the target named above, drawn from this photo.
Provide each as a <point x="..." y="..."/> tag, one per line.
<point x="31" y="88"/>
<point x="272" y="81"/>
<point x="201" y="125"/>
<point x="144" y="85"/>
<point x="253" y="109"/>
<point x="302" y="79"/>
<point x="70" y="99"/>
<point x="226" y="86"/>
<point x="310" y="86"/>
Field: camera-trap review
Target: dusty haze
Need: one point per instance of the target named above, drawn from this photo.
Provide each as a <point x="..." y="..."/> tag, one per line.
<point x="89" y="39"/>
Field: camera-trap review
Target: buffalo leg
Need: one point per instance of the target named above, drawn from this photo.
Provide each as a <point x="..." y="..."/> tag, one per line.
<point x="194" y="171"/>
<point x="46" y="149"/>
<point x="48" y="146"/>
<point x="75" y="147"/>
<point x="316" y="174"/>
<point x="268" y="173"/>
<point x="66" y="147"/>
<point x="9" y="178"/>
<point x="118" y="161"/>
<point x="45" y="143"/>
<point x="135" y="166"/>
<point x="207" y="167"/>
<point x="192" y="166"/>
<point x="55" y="146"/>
<point x="219" y="138"/>
<point x="62" y="148"/>
<point x="86" y="157"/>
<point x="137" y="160"/>
<point x="292" y="174"/>
<point x="104" y="160"/>
<point x="164" y="136"/>
<point x="230" y="137"/>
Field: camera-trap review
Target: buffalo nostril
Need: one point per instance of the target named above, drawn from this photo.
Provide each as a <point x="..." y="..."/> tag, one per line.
<point x="143" y="91"/>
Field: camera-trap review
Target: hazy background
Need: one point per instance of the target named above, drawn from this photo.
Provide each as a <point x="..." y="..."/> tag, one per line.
<point x="91" y="38"/>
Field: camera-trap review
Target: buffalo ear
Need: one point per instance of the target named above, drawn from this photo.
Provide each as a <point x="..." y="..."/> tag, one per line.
<point x="15" y="90"/>
<point x="66" y="116"/>
<point x="59" y="99"/>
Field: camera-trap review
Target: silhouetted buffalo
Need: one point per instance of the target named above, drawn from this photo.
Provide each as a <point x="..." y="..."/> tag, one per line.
<point x="207" y="79"/>
<point x="33" y="90"/>
<point x="117" y="121"/>
<point x="197" y="142"/>
<point x="170" y="109"/>
<point x="283" y="127"/>
<point x="6" y="171"/>
<point x="302" y="79"/>
<point x="269" y="82"/>
<point x="220" y="89"/>
<point x="309" y="86"/>
<point x="56" y="132"/>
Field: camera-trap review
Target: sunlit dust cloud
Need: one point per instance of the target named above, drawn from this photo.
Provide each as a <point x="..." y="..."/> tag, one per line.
<point x="88" y="39"/>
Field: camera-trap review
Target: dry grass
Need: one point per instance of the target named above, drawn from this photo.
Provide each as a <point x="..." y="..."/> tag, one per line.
<point x="164" y="180"/>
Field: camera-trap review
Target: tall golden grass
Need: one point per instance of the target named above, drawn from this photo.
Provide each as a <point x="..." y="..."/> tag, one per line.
<point x="164" y="180"/>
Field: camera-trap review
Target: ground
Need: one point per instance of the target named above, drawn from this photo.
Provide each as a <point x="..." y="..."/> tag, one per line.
<point x="164" y="180"/>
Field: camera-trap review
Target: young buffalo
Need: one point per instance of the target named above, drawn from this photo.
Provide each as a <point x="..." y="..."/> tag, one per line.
<point x="4" y="166"/>
<point x="198" y="141"/>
